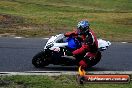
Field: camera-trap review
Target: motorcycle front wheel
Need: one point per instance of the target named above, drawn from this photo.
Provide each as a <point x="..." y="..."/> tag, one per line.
<point x="40" y="60"/>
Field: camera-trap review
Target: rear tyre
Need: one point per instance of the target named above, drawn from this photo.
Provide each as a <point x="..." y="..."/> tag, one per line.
<point x="96" y="60"/>
<point x="40" y="60"/>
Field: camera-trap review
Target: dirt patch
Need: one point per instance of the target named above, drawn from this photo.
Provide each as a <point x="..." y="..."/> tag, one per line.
<point x="20" y="23"/>
<point x="7" y="21"/>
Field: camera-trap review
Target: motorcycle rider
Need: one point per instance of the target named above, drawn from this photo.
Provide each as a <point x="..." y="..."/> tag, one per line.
<point x="88" y="50"/>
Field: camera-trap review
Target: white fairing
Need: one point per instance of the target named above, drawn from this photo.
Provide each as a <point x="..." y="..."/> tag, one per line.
<point x="103" y="45"/>
<point x="52" y="42"/>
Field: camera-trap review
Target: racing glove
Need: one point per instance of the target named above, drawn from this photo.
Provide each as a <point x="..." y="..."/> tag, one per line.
<point x="68" y="34"/>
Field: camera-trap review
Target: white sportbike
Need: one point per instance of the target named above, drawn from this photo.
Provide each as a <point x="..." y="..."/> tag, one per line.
<point x="55" y="52"/>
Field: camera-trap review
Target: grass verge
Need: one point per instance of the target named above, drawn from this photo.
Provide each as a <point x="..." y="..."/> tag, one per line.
<point x="110" y="20"/>
<point x="63" y="81"/>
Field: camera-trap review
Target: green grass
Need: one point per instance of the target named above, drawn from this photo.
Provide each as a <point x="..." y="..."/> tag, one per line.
<point x="110" y="19"/>
<point x="63" y="81"/>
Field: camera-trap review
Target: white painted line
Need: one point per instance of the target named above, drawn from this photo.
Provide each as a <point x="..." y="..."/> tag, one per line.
<point x="18" y="37"/>
<point x="45" y="38"/>
<point x="124" y="42"/>
<point x="75" y="72"/>
<point x="56" y="73"/>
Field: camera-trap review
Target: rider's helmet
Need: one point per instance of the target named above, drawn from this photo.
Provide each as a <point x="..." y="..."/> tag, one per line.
<point x="83" y="27"/>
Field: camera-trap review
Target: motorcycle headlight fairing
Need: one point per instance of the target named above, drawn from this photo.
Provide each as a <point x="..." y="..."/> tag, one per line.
<point x="49" y="45"/>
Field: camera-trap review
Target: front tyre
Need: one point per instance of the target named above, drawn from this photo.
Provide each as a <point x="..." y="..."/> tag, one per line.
<point x="40" y="60"/>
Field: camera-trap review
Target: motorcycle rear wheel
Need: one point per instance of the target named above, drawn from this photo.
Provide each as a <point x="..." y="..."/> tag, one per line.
<point x="96" y="60"/>
<point x="40" y="60"/>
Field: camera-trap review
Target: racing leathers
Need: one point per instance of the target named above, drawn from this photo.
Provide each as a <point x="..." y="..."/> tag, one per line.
<point x="88" y="49"/>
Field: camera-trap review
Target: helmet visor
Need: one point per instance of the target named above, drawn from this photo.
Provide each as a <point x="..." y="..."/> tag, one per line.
<point x="82" y="30"/>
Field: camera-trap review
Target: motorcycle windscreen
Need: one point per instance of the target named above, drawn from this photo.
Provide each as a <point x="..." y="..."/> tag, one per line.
<point x="72" y="43"/>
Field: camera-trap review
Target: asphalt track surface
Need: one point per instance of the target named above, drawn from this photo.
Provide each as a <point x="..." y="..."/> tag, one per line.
<point x="16" y="56"/>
